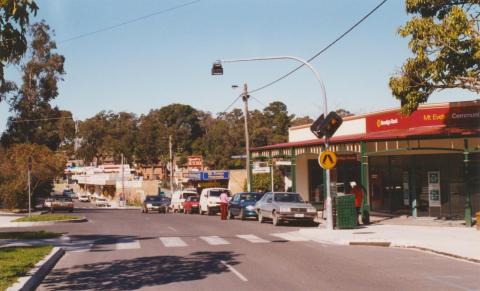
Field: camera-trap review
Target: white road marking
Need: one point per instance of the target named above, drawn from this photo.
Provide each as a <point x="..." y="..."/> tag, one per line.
<point x="127" y="244"/>
<point x="171" y="228"/>
<point x="214" y="240"/>
<point x="81" y="248"/>
<point x="289" y="236"/>
<point x="233" y="270"/>
<point x="172" y="242"/>
<point x="252" y="238"/>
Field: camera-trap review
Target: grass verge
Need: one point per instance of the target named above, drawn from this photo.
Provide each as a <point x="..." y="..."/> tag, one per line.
<point x="46" y="217"/>
<point x="15" y="262"/>
<point x="29" y="235"/>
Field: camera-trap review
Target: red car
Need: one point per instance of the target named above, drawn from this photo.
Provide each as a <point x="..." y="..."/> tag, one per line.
<point x="191" y="205"/>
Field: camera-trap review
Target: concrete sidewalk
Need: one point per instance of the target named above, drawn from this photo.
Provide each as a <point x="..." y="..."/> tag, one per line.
<point x="459" y="242"/>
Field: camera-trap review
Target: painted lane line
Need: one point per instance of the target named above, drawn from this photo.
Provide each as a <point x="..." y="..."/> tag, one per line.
<point x="214" y="240"/>
<point x="172" y="242"/>
<point x="252" y="238"/>
<point x="171" y="228"/>
<point x="127" y="244"/>
<point x="289" y="236"/>
<point x="233" y="270"/>
<point x="80" y="248"/>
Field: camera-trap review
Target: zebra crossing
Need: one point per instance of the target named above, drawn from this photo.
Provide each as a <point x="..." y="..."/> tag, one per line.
<point x="179" y="242"/>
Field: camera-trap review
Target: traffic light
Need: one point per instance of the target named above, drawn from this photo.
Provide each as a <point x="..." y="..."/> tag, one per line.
<point x="326" y="126"/>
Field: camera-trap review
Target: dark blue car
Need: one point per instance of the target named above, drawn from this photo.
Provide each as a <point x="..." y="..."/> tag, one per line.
<point x="242" y="205"/>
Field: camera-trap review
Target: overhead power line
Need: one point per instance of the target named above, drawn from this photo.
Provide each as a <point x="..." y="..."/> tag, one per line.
<point x="323" y="50"/>
<point x="129" y="21"/>
<point x="40" y="119"/>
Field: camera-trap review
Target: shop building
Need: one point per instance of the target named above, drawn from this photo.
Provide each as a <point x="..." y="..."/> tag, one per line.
<point x="425" y="164"/>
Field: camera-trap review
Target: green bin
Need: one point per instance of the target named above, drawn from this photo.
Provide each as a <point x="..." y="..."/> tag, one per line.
<point x="346" y="213"/>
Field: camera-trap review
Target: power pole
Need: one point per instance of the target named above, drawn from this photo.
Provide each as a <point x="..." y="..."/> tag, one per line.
<point x="122" y="197"/>
<point x="29" y="187"/>
<point x="171" y="165"/>
<point x="247" y="138"/>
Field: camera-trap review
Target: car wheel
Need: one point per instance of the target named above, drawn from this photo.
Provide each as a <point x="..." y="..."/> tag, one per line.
<point x="230" y="215"/>
<point x="209" y="212"/>
<point x="146" y="210"/>
<point x="275" y="219"/>
<point x="260" y="217"/>
<point x="242" y="214"/>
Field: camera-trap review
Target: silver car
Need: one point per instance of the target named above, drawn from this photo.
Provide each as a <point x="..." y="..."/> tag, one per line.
<point x="284" y="206"/>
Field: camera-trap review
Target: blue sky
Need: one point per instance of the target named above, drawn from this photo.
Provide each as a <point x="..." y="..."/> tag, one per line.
<point x="167" y="58"/>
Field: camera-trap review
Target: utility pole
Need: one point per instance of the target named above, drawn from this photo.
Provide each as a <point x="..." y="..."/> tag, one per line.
<point x="171" y="165"/>
<point x="247" y="138"/>
<point x="29" y="187"/>
<point x="272" y="168"/>
<point x="122" y="197"/>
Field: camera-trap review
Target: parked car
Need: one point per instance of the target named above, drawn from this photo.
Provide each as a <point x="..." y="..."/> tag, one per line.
<point x="191" y="204"/>
<point x="243" y="205"/>
<point x="101" y="202"/>
<point x="210" y="200"/>
<point x="60" y="203"/>
<point x="178" y="197"/>
<point x="83" y="197"/>
<point x="69" y="192"/>
<point x="155" y="203"/>
<point x="47" y="203"/>
<point x="284" y="206"/>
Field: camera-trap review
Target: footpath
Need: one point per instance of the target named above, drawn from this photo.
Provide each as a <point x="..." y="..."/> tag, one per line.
<point x="442" y="237"/>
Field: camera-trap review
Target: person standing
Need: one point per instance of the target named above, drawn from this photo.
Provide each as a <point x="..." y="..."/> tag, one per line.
<point x="223" y="205"/>
<point x="358" y="192"/>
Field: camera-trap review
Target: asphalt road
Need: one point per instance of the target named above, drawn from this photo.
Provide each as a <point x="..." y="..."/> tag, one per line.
<point x="125" y="249"/>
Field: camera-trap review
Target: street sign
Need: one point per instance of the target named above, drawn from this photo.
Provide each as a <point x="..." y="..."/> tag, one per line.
<point x="327" y="160"/>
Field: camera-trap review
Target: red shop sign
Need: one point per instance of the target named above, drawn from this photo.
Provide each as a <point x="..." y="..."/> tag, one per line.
<point x="465" y="116"/>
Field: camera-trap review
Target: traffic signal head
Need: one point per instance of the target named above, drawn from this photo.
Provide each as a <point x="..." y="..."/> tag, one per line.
<point x="326" y="126"/>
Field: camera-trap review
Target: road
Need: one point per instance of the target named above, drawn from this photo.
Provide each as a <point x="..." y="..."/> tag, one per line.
<point x="125" y="249"/>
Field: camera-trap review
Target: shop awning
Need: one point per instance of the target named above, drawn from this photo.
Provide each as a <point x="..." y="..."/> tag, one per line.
<point x="395" y="134"/>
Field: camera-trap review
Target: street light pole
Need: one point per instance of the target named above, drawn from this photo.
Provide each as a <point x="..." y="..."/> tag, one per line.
<point x="218" y="70"/>
<point x="247" y="138"/>
<point x="171" y="165"/>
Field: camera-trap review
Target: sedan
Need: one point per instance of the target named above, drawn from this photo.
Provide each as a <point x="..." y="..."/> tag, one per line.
<point x="243" y="205"/>
<point x="100" y="201"/>
<point x="61" y="203"/>
<point x="155" y="203"/>
<point x="191" y="205"/>
<point x="284" y="206"/>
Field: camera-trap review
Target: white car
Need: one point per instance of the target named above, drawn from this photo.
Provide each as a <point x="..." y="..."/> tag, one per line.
<point x="178" y="197"/>
<point x="101" y="201"/>
<point x="83" y="198"/>
<point x="210" y="200"/>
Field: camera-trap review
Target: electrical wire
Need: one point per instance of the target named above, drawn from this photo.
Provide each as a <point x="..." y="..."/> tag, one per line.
<point x="40" y="119"/>
<point x="129" y="21"/>
<point x="321" y="51"/>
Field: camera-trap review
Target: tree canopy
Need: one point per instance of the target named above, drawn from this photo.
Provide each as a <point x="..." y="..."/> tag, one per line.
<point x="445" y="41"/>
<point x="14" y="21"/>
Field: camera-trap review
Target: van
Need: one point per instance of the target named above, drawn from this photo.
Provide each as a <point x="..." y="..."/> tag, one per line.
<point x="178" y="197"/>
<point x="210" y="200"/>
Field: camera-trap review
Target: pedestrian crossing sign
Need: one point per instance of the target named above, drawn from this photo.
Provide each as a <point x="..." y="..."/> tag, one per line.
<point x="327" y="160"/>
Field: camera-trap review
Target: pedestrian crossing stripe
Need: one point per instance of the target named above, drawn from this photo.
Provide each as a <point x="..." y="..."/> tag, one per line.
<point x="173" y="242"/>
<point x="214" y="240"/>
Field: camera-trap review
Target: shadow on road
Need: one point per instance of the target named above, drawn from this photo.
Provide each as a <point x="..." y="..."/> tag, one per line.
<point x="139" y="272"/>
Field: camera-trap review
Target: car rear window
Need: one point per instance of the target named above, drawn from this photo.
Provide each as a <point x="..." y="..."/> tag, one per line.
<point x="216" y="193"/>
<point x="193" y="199"/>
<point x="188" y="194"/>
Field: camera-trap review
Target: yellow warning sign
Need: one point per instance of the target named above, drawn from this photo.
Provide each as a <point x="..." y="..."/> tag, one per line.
<point x="327" y="160"/>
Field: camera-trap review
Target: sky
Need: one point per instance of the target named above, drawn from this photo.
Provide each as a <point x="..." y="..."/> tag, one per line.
<point x="167" y="58"/>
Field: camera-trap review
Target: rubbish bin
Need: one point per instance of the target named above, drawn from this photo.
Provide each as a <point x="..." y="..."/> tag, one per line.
<point x="345" y="212"/>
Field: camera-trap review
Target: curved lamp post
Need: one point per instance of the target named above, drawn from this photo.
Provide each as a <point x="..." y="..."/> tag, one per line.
<point x="217" y="69"/>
